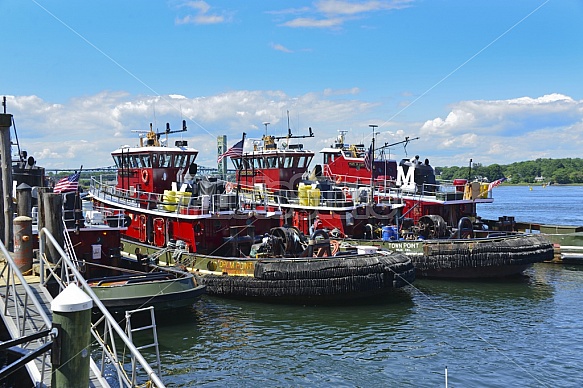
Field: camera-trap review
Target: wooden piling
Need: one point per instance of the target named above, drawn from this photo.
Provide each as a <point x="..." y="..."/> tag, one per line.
<point x="6" y="184"/>
<point x="72" y="317"/>
<point x="52" y="214"/>
<point x="24" y="200"/>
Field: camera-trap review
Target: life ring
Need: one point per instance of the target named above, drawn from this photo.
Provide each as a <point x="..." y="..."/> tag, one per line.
<point x="145" y="176"/>
<point x="229" y="187"/>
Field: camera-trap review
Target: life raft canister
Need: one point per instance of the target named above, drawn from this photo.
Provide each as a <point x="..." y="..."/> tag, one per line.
<point x="145" y="176"/>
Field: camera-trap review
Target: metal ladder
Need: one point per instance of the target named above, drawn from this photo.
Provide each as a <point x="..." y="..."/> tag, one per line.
<point x="152" y="326"/>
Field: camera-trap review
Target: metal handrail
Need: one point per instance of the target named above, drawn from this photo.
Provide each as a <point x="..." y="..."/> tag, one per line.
<point x="111" y="325"/>
<point x="20" y="311"/>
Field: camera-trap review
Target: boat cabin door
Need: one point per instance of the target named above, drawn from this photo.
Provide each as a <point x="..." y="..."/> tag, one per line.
<point x="159" y="232"/>
<point x="143" y="228"/>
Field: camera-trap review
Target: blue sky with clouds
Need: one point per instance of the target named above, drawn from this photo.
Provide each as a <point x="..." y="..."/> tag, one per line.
<point x="495" y="81"/>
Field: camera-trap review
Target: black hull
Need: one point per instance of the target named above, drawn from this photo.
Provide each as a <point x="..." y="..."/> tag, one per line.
<point x="495" y="257"/>
<point x="318" y="280"/>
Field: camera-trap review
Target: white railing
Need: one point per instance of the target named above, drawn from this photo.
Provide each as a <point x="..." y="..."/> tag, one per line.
<point x="341" y="194"/>
<point x="180" y="202"/>
<point x="106" y="332"/>
<point x="20" y="302"/>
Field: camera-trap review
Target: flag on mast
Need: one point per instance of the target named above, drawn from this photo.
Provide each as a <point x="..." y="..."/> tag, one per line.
<point x="67" y="184"/>
<point x="236" y="150"/>
<point x="368" y="159"/>
<point x="496" y="183"/>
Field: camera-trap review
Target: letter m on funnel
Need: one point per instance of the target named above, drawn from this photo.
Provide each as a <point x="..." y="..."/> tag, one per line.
<point x="406" y="182"/>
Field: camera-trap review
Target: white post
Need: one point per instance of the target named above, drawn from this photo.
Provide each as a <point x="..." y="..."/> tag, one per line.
<point x="446" y="377"/>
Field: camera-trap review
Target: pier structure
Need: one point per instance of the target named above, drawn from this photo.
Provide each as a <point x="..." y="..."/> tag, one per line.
<point x="36" y="343"/>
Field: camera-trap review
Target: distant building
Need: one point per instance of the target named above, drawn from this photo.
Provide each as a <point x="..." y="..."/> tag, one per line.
<point x="540" y="179"/>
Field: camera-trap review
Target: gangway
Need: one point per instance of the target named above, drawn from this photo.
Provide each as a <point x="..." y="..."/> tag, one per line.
<point x="25" y="304"/>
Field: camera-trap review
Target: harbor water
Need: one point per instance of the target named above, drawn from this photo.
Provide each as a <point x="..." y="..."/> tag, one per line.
<point x="523" y="332"/>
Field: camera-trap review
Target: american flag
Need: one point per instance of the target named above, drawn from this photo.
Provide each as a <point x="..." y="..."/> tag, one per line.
<point x="368" y="159"/>
<point x="496" y="183"/>
<point x="236" y="150"/>
<point x="67" y="184"/>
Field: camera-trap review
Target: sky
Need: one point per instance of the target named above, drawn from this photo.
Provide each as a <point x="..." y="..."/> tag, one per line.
<point x="495" y="81"/>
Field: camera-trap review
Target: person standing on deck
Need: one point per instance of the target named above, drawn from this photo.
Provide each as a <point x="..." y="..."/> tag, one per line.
<point x="318" y="224"/>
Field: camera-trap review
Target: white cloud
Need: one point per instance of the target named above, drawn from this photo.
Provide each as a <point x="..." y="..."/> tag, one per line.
<point x="202" y="14"/>
<point x="343" y="7"/>
<point x="334" y="13"/>
<point x="504" y="131"/>
<point x="314" y="23"/>
<point x="83" y="131"/>
<point x="339" y="92"/>
<point x="280" y="47"/>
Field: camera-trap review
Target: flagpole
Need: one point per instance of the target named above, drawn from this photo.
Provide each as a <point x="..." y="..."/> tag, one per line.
<point x="240" y="168"/>
<point x="373" y="126"/>
<point x="77" y="211"/>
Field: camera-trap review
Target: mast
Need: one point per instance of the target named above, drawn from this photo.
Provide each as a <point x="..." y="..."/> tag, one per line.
<point x="373" y="126"/>
<point x="240" y="169"/>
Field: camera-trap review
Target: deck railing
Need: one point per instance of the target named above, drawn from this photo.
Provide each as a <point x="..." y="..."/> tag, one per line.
<point x="249" y="196"/>
<point x="179" y="202"/>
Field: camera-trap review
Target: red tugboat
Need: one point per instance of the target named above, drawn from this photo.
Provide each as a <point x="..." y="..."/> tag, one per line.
<point x="277" y="171"/>
<point x="410" y="182"/>
<point x="438" y="226"/>
<point x="204" y="235"/>
<point x="345" y="164"/>
<point x="164" y="202"/>
<point x="274" y="165"/>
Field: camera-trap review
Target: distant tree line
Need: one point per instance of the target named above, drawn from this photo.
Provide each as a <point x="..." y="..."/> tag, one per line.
<point x="560" y="171"/>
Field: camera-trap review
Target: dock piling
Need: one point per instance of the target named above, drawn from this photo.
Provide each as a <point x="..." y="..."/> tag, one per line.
<point x="23" y="243"/>
<point x="6" y="180"/>
<point x="72" y="316"/>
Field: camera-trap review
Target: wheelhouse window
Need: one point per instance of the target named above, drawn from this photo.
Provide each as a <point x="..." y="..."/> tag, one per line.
<point x="181" y="161"/>
<point x="328" y="158"/>
<point x="245" y="164"/>
<point x="304" y="161"/>
<point x="135" y="161"/>
<point x="272" y="161"/>
<point x="146" y="160"/>
<point x="122" y="161"/>
<point x="288" y="162"/>
<point x="237" y="163"/>
<point x="165" y="160"/>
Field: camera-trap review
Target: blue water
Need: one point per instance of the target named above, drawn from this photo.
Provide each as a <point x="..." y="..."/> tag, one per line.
<point x="514" y="333"/>
<point x="549" y="205"/>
